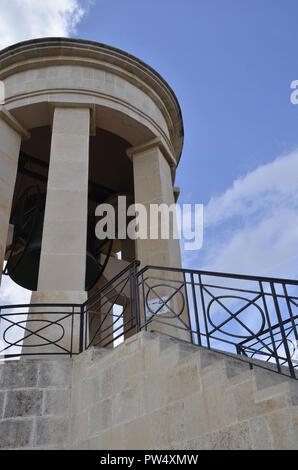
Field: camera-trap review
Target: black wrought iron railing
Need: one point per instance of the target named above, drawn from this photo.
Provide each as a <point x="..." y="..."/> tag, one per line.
<point x="254" y="318"/>
<point x="112" y="313"/>
<point x="39" y="329"/>
<point x="251" y="316"/>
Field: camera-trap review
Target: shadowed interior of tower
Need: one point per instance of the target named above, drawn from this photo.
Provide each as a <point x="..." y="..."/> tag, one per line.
<point x="110" y="174"/>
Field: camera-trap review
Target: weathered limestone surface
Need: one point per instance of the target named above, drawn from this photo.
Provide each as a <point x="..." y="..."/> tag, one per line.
<point x="156" y="393"/>
<point x="128" y="97"/>
<point x="35" y="404"/>
<point x="63" y="253"/>
<point x="64" y="238"/>
<point x="149" y="393"/>
<point x="153" y="185"/>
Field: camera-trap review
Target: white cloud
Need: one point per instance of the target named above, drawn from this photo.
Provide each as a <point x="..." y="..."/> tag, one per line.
<point x="268" y="247"/>
<point x="12" y="294"/>
<point x="252" y="228"/>
<point x="21" y="20"/>
<point x="262" y="188"/>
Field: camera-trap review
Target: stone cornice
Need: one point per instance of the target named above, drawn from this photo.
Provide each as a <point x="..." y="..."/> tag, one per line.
<point x="157" y="142"/>
<point x="7" y="117"/>
<point x="66" y="104"/>
<point x="46" y="51"/>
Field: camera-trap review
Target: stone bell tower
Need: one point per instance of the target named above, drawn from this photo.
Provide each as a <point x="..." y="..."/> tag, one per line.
<point x="81" y="124"/>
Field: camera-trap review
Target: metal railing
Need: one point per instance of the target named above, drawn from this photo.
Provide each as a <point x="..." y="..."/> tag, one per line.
<point x="39" y="329"/>
<point x="254" y="317"/>
<point x="251" y="316"/>
<point x="111" y="314"/>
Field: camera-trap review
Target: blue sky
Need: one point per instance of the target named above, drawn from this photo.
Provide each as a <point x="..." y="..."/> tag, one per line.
<point x="230" y="63"/>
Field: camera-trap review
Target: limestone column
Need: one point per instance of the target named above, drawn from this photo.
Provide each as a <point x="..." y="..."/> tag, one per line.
<point x="63" y="253"/>
<point x="11" y="134"/>
<point x="153" y="184"/>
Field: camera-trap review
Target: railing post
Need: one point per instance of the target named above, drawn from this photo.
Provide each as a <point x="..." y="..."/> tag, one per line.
<point x="204" y="311"/>
<point x="188" y="311"/>
<point x="137" y="299"/>
<point x="196" y="309"/>
<point x="72" y="332"/>
<point x="82" y="321"/>
<point x="282" y="331"/>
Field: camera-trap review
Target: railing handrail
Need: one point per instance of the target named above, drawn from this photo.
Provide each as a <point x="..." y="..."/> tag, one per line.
<point x="60" y="304"/>
<point x="135" y="263"/>
<point x="245" y="277"/>
<point x="278" y="328"/>
<point x="159" y="268"/>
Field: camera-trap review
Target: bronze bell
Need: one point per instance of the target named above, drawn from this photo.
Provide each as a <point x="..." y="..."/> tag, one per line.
<point x="23" y="254"/>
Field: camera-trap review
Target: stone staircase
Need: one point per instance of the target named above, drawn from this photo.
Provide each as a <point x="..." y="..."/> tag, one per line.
<point x="261" y="404"/>
<point x="150" y="392"/>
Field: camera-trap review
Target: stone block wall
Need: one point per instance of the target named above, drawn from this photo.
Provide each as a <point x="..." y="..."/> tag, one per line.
<point x="35" y="404"/>
<point x="151" y="392"/>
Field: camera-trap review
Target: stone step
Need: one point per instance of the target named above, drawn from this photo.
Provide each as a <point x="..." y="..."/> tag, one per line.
<point x="265" y="379"/>
<point x="271" y="392"/>
<point x="236" y="367"/>
<point x="266" y="384"/>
